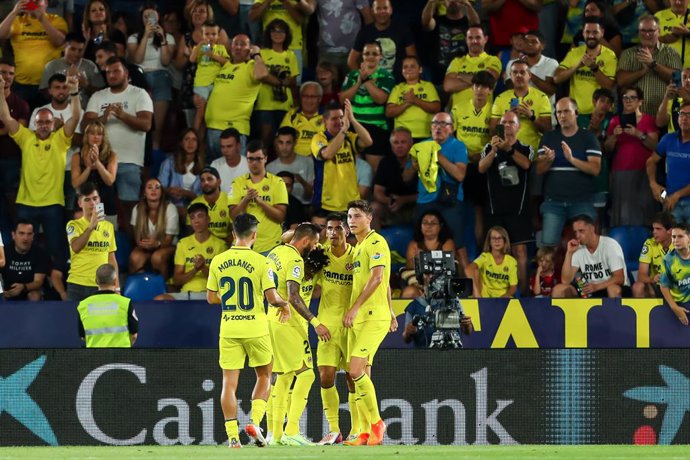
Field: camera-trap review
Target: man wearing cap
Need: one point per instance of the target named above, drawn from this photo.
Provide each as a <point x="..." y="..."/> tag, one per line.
<point x="220" y="222"/>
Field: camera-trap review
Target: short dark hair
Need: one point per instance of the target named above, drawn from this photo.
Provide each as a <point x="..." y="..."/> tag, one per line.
<point x="287" y="174"/>
<point x="75" y="37"/>
<point x="117" y="37"/>
<point x="108" y="47"/>
<point x="23" y="222"/>
<point x="255" y="145"/>
<point x="115" y="59"/>
<point x="536" y="33"/>
<point x="287" y="131"/>
<point x="682" y="226"/>
<point x="484" y="78"/>
<point x="330" y="107"/>
<point x="362" y="205"/>
<point x="593" y="20"/>
<point x="638" y="91"/>
<point x="244" y="225"/>
<point x="106" y="275"/>
<point x="375" y="43"/>
<point x="6" y="60"/>
<point x="210" y="23"/>
<point x="665" y="219"/>
<point x="231" y="132"/>
<point x="583" y="218"/>
<point x="306" y="229"/>
<point x="196" y="207"/>
<point x="58" y="77"/>
<point x="602" y="92"/>
<point x="87" y="188"/>
<point x="339" y="216"/>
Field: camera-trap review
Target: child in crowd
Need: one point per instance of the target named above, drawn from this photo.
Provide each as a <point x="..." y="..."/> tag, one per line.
<point x="494" y="272"/>
<point x="210" y="56"/>
<point x="544" y="279"/>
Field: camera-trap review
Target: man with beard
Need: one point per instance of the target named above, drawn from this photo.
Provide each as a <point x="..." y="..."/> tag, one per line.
<point x="41" y="199"/>
<point x="588" y="67"/>
<point x="127" y="113"/>
<point x="262" y="195"/>
<point x="450" y="29"/>
<point x="234" y="91"/>
<point x="220" y="222"/>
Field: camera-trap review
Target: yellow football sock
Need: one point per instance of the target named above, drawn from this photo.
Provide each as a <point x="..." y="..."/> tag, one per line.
<point x="298" y="400"/>
<point x="269" y="410"/>
<point x="258" y="411"/>
<point x="354" y="413"/>
<point x="280" y="398"/>
<point x="365" y="387"/>
<point x="331" y="405"/>
<point x="232" y="430"/>
<point x="364" y="418"/>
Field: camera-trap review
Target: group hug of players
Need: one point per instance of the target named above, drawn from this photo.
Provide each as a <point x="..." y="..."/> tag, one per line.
<point x="355" y="314"/>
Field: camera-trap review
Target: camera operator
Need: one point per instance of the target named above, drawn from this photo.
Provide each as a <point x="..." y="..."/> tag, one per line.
<point x="417" y="330"/>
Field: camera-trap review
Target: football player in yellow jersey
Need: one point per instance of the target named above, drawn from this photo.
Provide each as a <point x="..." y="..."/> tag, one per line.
<point x="292" y="353"/>
<point x="336" y="289"/>
<point x="530" y="104"/>
<point x="651" y="257"/>
<point x="238" y="280"/>
<point x="262" y="194"/>
<point x="372" y="295"/>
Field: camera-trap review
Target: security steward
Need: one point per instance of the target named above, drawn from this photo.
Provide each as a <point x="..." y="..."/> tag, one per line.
<point x="107" y="319"/>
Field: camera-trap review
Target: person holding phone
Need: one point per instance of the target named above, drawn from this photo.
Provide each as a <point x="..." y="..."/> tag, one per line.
<point x="631" y="138"/>
<point x="152" y="49"/>
<point x="677" y="92"/>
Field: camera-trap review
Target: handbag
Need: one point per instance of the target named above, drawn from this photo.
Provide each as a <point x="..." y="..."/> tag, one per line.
<point x="448" y="193"/>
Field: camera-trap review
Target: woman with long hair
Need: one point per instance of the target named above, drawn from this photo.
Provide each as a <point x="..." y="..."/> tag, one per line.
<point x="95" y="162"/>
<point x="153" y="49"/>
<point x="430" y="234"/>
<point x="155" y="224"/>
<point x="494" y="272"/>
<point x="275" y="95"/>
<point x="179" y="174"/>
<point x="96" y="25"/>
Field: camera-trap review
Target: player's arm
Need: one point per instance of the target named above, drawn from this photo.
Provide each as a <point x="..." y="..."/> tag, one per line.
<point x="275" y="300"/>
<point x="298" y="304"/>
<point x="374" y="281"/>
<point x="394" y="319"/>
<point x="212" y="297"/>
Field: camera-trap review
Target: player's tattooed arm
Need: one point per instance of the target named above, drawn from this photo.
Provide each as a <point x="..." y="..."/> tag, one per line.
<point x="298" y="304"/>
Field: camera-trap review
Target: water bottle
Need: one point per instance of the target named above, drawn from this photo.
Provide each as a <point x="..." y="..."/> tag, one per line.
<point x="204" y="48"/>
<point x="579" y="280"/>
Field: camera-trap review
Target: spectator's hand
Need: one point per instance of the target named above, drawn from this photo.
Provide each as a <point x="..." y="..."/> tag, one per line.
<point x="523" y="110"/>
<point x="567" y="151"/>
<point x="549" y="154"/>
<point x="349" y="318"/>
<point x="149" y="30"/>
<point x="671" y="91"/>
<point x="58" y="122"/>
<point x="680" y="30"/>
<point x="39" y="12"/>
<point x="15" y="290"/>
<point x="160" y="32"/>
<point x="644" y="56"/>
<point x="199" y="262"/>
<point x="656" y="191"/>
<point x="573" y="245"/>
<point x="20" y="6"/>
<point x="671" y="201"/>
<point x="175" y="192"/>
<point x="251" y="194"/>
<point x="410" y="97"/>
<point x="588" y="60"/>
<point x="632" y="131"/>
<point x="146" y="243"/>
<point x="254" y="50"/>
<point x="589" y="288"/>
<point x="495" y="143"/>
<point x="657" y="278"/>
<point x="466" y="325"/>
<point x="364" y="72"/>
<point x="73" y="84"/>
<point x="682" y="314"/>
<point x="394" y="204"/>
<point x="349" y="114"/>
<point x="323" y="333"/>
<point x="93" y="223"/>
<point x="2" y="84"/>
<point x="618" y="130"/>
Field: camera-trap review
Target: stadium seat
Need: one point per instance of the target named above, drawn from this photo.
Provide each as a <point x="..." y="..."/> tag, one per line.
<point x="398" y="237"/>
<point x="144" y="286"/>
<point x="631" y="238"/>
<point x="124" y="248"/>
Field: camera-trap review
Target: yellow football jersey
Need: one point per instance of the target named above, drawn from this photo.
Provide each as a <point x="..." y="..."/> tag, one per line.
<point x="496" y="278"/>
<point x="472" y="126"/>
<point x="240" y="276"/>
<point x="540" y="104"/>
<point x="219" y="215"/>
<point x="583" y="83"/>
<point x="653" y="254"/>
<point x="187" y="248"/>
<point x="336" y="287"/>
<point x="414" y="118"/>
<point x="472" y="65"/>
<point x="667" y="21"/>
<point x="232" y="100"/>
<point x="306" y="129"/>
<point x="371" y="252"/>
<point x="288" y="265"/>
<point x="336" y="179"/>
<point x="277" y="63"/>
<point x="96" y="252"/>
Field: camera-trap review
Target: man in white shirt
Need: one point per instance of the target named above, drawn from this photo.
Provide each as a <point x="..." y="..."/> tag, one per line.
<point x="300" y="166"/>
<point x="594" y="265"/>
<point x="126" y="111"/>
<point x="231" y="164"/>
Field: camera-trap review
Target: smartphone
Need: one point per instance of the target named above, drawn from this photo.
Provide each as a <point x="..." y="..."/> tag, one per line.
<point x="514" y="102"/>
<point x="100" y="211"/>
<point x="501" y="131"/>
<point x="628" y="119"/>
<point x="32" y="5"/>
<point x="676" y="78"/>
<point x="152" y="18"/>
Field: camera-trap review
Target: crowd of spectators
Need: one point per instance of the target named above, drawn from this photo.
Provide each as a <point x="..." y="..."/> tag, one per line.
<point x="162" y="122"/>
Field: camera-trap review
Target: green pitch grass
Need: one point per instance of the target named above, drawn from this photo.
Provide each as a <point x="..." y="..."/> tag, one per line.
<point x="351" y="453"/>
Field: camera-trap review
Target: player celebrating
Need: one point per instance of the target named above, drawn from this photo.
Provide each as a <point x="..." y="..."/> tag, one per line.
<point x="675" y="273"/>
<point x="370" y="316"/>
<point x="238" y="279"/>
<point x="336" y="288"/>
<point x="293" y="356"/>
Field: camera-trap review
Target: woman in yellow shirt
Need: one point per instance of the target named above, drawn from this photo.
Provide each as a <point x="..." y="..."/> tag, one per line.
<point x="494" y="272"/>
